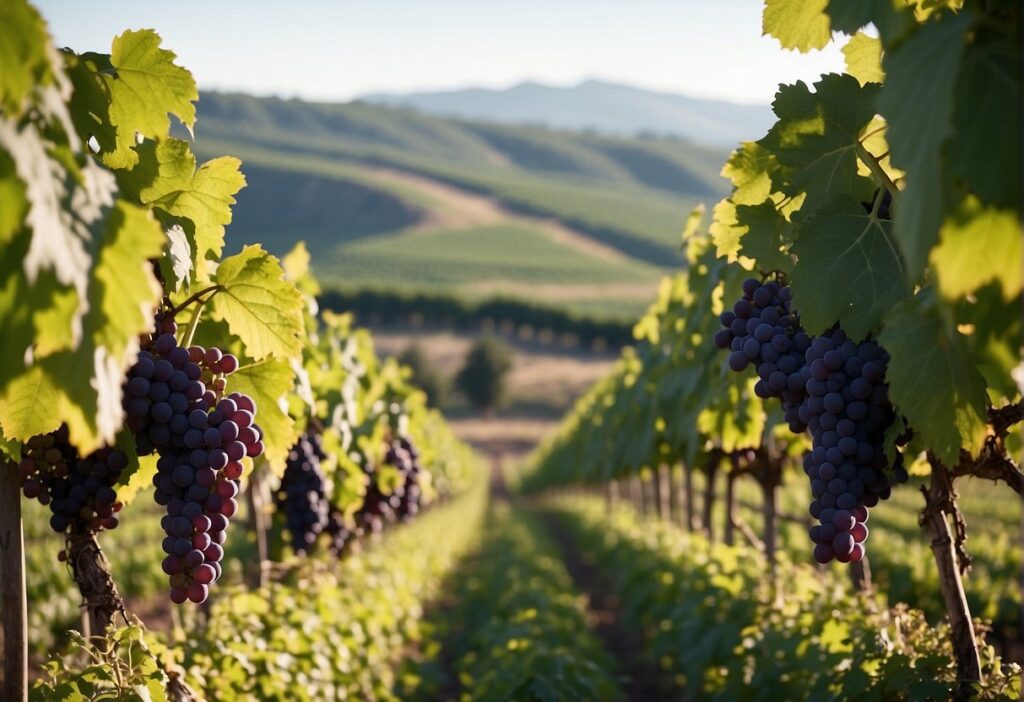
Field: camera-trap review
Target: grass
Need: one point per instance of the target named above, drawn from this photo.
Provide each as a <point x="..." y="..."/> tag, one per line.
<point x="500" y="252"/>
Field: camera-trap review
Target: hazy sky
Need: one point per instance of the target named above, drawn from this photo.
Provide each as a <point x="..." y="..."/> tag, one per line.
<point x="323" y="50"/>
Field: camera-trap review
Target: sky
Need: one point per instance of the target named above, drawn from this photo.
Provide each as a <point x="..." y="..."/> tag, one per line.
<point x="335" y="51"/>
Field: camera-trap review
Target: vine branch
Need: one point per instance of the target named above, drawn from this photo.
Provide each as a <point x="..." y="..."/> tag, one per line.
<point x="876" y="169"/>
<point x="212" y="290"/>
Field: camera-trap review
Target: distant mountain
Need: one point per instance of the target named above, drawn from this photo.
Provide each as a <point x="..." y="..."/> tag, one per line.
<point x="597" y="105"/>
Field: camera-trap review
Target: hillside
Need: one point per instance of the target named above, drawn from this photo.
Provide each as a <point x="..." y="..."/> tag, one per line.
<point x="392" y="198"/>
<point x="596" y="105"/>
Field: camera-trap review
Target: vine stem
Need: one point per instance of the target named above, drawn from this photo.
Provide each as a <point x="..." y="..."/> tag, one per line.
<point x="876" y="169"/>
<point x="212" y="290"/>
<point x="193" y="323"/>
<point x="12" y="586"/>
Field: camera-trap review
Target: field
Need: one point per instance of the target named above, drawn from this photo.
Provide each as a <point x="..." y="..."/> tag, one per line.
<point x="581" y="221"/>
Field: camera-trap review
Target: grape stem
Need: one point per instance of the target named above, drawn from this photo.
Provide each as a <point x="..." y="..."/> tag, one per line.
<point x="876" y="169"/>
<point x="212" y="290"/>
<point x="193" y="323"/>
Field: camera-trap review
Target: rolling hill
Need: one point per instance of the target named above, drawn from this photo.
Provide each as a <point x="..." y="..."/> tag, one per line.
<point x="596" y="105"/>
<point x="393" y="198"/>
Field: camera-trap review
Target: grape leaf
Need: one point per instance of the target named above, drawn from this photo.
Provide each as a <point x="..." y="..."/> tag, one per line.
<point x="892" y="18"/>
<point x="726" y="232"/>
<point x="60" y="220"/>
<point x="932" y="379"/>
<point x="985" y="149"/>
<point x="797" y="24"/>
<point x="124" y="292"/>
<point x="24" y="57"/>
<point x="176" y="263"/>
<point x="260" y="307"/>
<point x="268" y="383"/>
<point x="144" y="87"/>
<point x="166" y="177"/>
<point x="848" y="270"/>
<point x="864" y="58"/>
<point x="749" y="168"/>
<point x="978" y="244"/>
<point x="137" y="477"/>
<point x="735" y="416"/>
<point x="993" y="333"/>
<point x="27" y="404"/>
<point x="917" y="102"/>
<point x="816" y="138"/>
<point x="766" y="237"/>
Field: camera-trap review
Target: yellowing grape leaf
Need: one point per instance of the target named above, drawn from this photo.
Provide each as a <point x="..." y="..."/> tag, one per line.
<point x="848" y="270"/>
<point x="144" y="87"/>
<point x="260" y="307"/>
<point x="932" y="379"/>
<point x="166" y="177"/>
<point x="797" y="24"/>
<point x="28" y="404"/>
<point x="268" y="383"/>
<point x="917" y="102"/>
<point x="749" y="168"/>
<point x="978" y="245"/>
<point x="864" y="58"/>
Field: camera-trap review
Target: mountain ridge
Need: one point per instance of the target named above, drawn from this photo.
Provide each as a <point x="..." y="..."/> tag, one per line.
<point x="595" y="104"/>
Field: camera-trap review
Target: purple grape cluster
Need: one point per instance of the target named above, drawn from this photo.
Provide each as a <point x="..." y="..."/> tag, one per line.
<point x="80" y="491"/>
<point x="847" y="412"/>
<point x="762" y="330"/>
<point x="340" y="536"/>
<point x="405" y="501"/>
<point x="302" y="496"/>
<point x="176" y="407"/>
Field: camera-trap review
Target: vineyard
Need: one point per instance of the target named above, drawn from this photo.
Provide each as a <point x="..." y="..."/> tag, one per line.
<point x="800" y="481"/>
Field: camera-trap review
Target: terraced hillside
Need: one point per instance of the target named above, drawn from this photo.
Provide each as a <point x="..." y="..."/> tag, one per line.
<point x="389" y="197"/>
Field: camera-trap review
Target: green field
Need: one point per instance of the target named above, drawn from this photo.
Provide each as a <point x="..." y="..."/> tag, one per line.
<point x="359" y="184"/>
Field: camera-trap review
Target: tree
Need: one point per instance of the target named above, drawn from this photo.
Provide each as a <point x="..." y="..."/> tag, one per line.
<point x="425" y="376"/>
<point x="482" y="378"/>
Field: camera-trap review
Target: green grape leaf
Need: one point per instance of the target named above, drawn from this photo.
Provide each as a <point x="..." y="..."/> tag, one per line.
<point x="144" y="87"/>
<point x="166" y="177"/>
<point x="797" y="24"/>
<point x="260" y="307"/>
<point x="27" y="405"/>
<point x="978" y="244"/>
<point x="749" y="168"/>
<point x="124" y="292"/>
<point x="766" y="238"/>
<point x="24" y="59"/>
<point x="985" y="149"/>
<point x="917" y="102"/>
<point x="734" y="416"/>
<point x="267" y="383"/>
<point x="993" y="331"/>
<point x="726" y="231"/>
<point x="864" y="58"/>
<point x="932" y="379"/>
<point x="848" y="270"/>
<point x="892" y="18"/>
<point x="817" y="135"/>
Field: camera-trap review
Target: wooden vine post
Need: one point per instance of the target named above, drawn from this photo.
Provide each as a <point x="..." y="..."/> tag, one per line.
<point x="12" y="586"/>
<point x="714" y="458"/>
<point x="730" y="505"/>
<point x="674" y="507"/>
<point x="940" y="501"/>
<point x="688" y="500"/>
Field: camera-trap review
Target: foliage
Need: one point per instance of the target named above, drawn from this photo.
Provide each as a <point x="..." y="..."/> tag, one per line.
<point x="518" y="631"/>
<point x="323" y="633"/>
<point x="482" y="378"/>
<point x="709" y="614"/>
<point x="424" y="375"/>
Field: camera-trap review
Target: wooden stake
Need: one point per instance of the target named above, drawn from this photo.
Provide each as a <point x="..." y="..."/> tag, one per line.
<point x="12" y="586"/>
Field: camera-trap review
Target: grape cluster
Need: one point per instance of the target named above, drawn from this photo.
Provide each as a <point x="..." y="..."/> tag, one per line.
<point x="301" y="496"/>
<point x="762" y="330"/>
<point x="80" y="491"/>
<point x="176" y="407"/>
<point x="847" y="412"/>
<point x="405" y="501"/>
<point x="340" y="536"/>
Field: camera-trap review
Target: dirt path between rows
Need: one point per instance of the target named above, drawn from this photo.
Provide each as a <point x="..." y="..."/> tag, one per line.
<point x="641" y="679"/>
